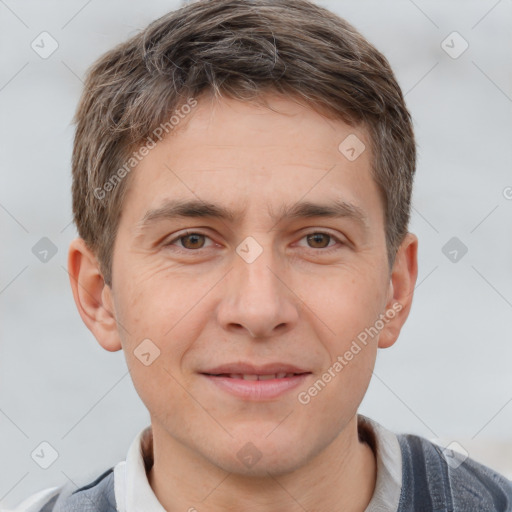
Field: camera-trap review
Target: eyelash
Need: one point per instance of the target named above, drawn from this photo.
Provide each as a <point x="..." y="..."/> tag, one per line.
<point x="326" y="250"/>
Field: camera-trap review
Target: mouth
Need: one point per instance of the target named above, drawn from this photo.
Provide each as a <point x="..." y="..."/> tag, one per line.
<point x="254" y="376"/>
<point x="256" y="387"/>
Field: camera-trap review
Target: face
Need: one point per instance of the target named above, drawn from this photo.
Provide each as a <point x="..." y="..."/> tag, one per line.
<point x="260" y="286"/>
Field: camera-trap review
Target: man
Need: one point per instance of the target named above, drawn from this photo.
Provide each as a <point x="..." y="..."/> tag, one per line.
<point x="242" y="178"/>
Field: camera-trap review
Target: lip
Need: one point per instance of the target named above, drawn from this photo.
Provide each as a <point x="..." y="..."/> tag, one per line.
<point x="256" y="390"/>
<point x="251" y="369"/>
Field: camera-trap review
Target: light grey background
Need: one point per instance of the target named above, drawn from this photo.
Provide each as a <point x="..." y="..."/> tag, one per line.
<point x="448" y="376"/>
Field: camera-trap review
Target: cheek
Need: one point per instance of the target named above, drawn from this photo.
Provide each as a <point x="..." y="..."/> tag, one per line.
<point x="162" y="391"/>
<point x="151" y="302"/>
<point x="344" y="313"/>
<point x="336" y="393"/>
<point x="165" y="316"/>
<point x="345" y="306"/>
<point x="160" y="326"/>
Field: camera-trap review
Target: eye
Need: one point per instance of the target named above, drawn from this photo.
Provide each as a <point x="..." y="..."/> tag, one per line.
<point x="319" y="237"/>
<point x="190" y="241"/>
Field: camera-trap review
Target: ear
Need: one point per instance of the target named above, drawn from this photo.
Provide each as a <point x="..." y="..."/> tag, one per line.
<point x="401" y="289"/>
<point x="93" y="297"/>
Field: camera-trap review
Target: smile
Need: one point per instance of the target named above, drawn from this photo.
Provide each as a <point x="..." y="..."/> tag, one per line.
<point x="257" y="387"/>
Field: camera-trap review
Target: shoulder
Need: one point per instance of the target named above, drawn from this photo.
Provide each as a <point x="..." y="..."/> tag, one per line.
<point x="442" y="479"/>
<point x="97" y="496"/>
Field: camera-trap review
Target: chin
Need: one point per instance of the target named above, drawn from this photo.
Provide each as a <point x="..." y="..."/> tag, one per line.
<point x="268" y="466"/>
<point x="261" y="457"/>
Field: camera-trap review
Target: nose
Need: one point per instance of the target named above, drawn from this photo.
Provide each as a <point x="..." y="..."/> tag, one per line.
<point x="257" y="297"/>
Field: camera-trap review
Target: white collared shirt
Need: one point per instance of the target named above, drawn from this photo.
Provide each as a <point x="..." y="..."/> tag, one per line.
<point x="132" y="490"/>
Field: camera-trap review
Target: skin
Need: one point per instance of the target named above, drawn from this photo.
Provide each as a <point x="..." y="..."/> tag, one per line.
<point x="203" y="305"/>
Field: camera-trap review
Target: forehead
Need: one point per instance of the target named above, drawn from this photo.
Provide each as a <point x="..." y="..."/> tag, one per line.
<point x="246" y="155"/>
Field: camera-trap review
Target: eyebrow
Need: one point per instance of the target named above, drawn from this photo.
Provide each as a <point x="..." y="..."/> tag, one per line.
<point x="176" y="208"/>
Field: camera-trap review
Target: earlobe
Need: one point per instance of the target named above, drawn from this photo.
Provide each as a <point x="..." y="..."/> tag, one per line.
<point x="401" y="290"/>
<point x="93" y="297"/>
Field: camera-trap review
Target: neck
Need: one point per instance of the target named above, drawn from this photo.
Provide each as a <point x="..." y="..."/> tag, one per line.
<point x="340" y="478"/>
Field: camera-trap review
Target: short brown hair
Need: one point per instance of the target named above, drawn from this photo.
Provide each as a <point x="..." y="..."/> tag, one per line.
<point x="240" y="49"/>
